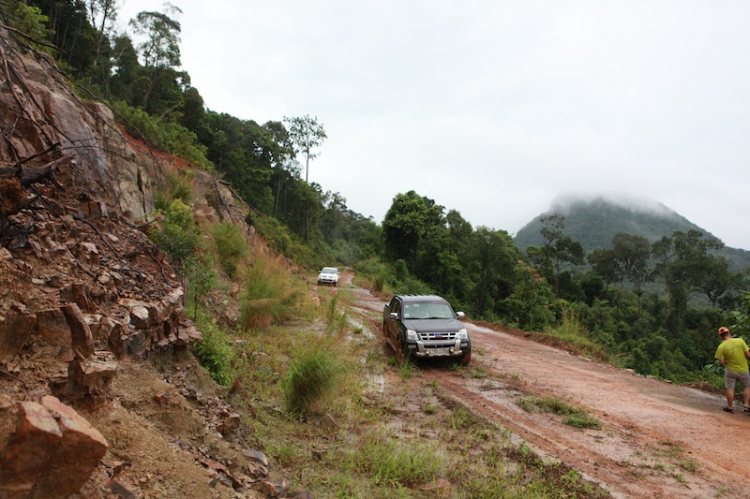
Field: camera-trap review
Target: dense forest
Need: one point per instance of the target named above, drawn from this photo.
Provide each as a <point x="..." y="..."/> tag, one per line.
<point x="609" y="309"/>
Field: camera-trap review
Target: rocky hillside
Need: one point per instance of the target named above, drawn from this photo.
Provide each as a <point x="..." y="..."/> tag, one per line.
<point x="86" y="298"/>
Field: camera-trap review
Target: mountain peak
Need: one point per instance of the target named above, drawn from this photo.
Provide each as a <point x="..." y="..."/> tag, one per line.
<point x="593" y="220"/>
<point x="565" y="203"/>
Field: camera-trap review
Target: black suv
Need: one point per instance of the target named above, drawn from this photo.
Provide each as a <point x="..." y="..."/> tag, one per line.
<point x="421" y="326"/>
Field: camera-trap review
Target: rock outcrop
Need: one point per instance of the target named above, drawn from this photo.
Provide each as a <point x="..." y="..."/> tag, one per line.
<point x="81" y="286"/>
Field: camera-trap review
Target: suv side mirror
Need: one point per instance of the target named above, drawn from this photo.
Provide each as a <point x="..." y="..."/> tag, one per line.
<point x="393" y="315"/>
<point x="461" y="315"/>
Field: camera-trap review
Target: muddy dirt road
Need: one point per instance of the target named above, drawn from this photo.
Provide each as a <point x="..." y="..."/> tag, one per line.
<point x="657" y="440"/>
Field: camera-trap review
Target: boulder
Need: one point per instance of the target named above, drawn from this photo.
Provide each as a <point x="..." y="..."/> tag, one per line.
<point x="75" y="458"/>
<point x="27" y="455"/>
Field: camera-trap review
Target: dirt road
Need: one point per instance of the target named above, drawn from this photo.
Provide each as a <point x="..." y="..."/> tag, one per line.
<point x="657" y="440"/>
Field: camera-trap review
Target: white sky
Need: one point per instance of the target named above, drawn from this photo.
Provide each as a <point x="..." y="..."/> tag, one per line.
<point x="494" y="108"/>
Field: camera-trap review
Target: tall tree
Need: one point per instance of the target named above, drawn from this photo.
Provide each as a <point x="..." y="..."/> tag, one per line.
<point x="626" y="261"/>
<point x="559" y="251"/>
<point x="305" y="134"/>
<point x="161" y="46"/>
<point x="408" y="221"/>
<point x="681" y="263"/>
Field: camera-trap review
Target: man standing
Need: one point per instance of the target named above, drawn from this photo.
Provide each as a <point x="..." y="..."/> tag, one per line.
<point x="733" y="354"/>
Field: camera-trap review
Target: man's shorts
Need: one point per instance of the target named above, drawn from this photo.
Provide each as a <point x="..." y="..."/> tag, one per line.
<point x="731" y="377"/>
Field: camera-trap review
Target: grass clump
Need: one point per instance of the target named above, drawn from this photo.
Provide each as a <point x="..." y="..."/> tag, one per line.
<point x="575" y="417"/>
<point x="231" y="246"/>
<point x="406" y="369"/>
<point x="270" y="296"/>
<point x="309" y="378"/>
<point x="582" y="420"/>
<point x="394" y="464"/>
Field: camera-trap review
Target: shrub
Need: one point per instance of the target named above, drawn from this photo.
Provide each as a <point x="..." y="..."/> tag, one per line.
<point x="231" y="246"/>
<point x="309" y="379"/>
<point x="178" y="234"/>
<point x="201" y="279"/>
<point x="214" y="352"/>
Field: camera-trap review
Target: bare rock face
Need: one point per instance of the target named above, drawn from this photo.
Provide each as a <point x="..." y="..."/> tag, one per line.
<point x="52" y="326"/>
<point x="14" y="332"/>
<point x="52" y="453"/>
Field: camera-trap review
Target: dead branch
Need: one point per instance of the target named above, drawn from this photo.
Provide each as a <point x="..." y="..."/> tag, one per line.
<point x="31" y="176"/>
<point x="32" y="39"/>
<point x="6" y="373"/>
<point x="26" y="160"/>
<point x="161" y="267"/>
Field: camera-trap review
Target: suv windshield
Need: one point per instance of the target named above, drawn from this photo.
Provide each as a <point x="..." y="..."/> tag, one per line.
<point x="428" y="310"/>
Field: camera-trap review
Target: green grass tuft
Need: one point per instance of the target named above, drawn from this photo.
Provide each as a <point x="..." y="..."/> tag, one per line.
<point x="309" y="378"/>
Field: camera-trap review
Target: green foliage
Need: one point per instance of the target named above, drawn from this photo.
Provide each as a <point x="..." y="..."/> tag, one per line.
<point x="215" y="352"/>
<point x="281" y="239"/>
<point x="271" y="294"/>
<point x="231" y="246"/>
<point x="741" y="317"/>
<point x="305" y="133"/>
<point x="169" y="136"/>
<point x="572" y="331"/>
<point x="178" y="234"/>
<point x="179" y="188"/>
<point x="201" y="277"/>
<point x="28" y="19"/>
<point x="310" y="377"/>
<point x="529" y="304"/>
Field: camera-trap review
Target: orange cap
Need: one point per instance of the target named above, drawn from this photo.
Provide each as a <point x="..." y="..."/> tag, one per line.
<point x="723" y="330"/>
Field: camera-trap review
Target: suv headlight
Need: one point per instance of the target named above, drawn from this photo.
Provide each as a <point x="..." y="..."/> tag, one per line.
<point x="462" y="334"/>
<point x="411" y="335"/>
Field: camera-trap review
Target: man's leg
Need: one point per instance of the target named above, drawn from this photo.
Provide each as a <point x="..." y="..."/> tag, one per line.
<point x="746" y="392"/>
<point x="730" y="397"/>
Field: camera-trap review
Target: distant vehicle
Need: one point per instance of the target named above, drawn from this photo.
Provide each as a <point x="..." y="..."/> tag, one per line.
<point x="425" y="326"/>
<point x="329" y="275"/>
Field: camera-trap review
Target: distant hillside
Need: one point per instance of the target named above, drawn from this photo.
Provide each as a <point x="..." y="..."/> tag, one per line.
<point x="594" y="221"/>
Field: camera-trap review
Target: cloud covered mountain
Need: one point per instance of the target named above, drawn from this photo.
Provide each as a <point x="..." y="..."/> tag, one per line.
<point x="594" y="220"/>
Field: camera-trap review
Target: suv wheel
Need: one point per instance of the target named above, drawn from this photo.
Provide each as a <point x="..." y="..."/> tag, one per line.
<point x="465" y="359"/>
<point x="404" y="349"/>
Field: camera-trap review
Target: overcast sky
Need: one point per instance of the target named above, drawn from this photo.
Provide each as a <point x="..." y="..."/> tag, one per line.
<point x="494" y="108"/>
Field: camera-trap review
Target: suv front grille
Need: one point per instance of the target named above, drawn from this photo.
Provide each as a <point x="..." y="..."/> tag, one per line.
<point x="438" y="336"/>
